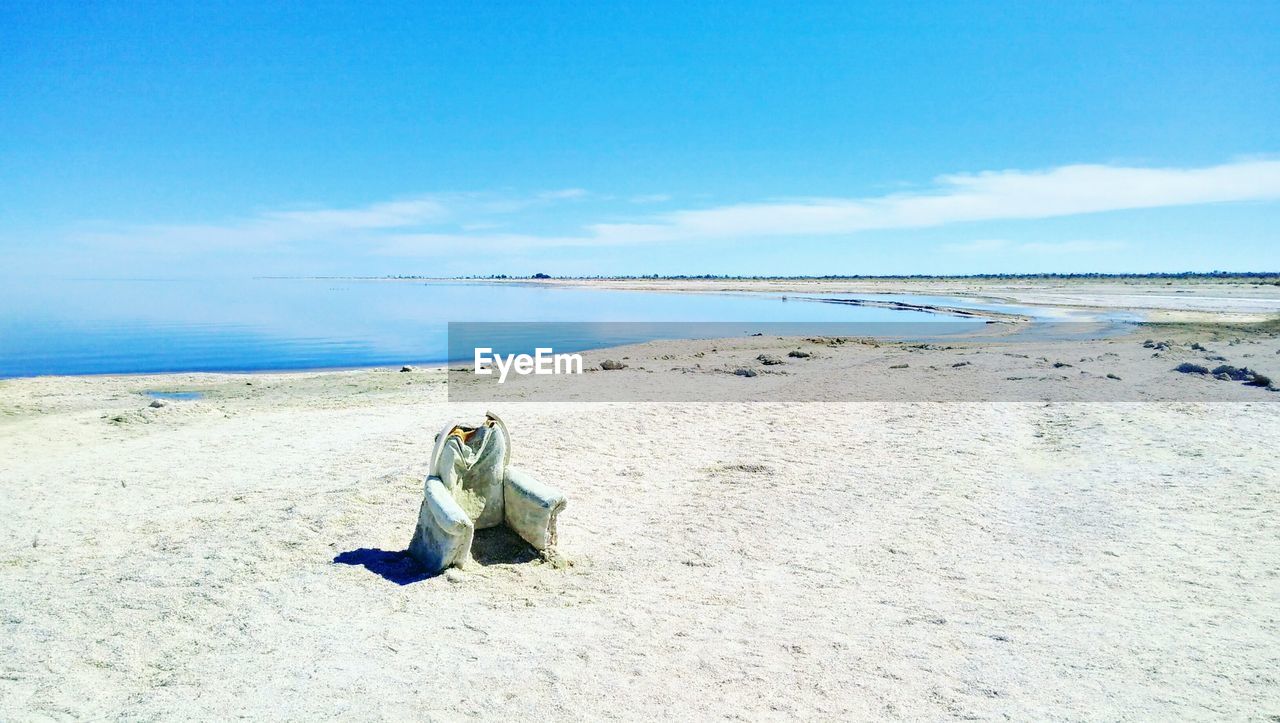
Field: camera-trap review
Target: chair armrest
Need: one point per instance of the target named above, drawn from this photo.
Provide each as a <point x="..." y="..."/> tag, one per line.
<point x="445" y="510"/>
<point x="531" y="508"/>
<point x="443" y="536"/>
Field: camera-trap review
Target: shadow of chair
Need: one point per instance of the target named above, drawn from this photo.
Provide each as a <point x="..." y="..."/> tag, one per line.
<point x="493" y="546"/>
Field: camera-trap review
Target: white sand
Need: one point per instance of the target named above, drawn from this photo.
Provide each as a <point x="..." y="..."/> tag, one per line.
<point x="859" y="560"/>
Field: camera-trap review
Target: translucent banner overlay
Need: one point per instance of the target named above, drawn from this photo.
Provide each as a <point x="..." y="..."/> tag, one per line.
<point x="969" y="361"/>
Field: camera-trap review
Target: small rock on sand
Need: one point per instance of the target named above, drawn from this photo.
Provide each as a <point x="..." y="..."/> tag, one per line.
<point x="406" y="368"/>
<point x="797" y="354"/>
<point x="768" y="360"/>
<point x="899" y="366"/>
<point x="1113" y="376"/>
<point x="157" y="403"/>
<point x="745" y="372"/>
<point x="610" y="365"/>
<point x="961" y="364"/>
<point x="1189" y="368"/>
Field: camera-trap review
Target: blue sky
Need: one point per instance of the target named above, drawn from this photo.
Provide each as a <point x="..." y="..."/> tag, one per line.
<point x="581" y="138"/>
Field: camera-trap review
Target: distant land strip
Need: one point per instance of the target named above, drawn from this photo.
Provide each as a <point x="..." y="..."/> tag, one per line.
<point x="1270" y="277"/>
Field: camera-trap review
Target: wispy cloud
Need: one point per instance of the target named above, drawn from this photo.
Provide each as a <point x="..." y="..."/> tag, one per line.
<point x="270" y="229"/>
<point x="441" y="223"/>
<point x="958" y="198"/>
<point x="372" y="223"/>
<point x="1000" y="195"/>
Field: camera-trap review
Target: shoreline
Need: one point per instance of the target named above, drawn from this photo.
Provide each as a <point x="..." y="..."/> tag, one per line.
<point x="993" y="332"/>
<point x="1010" y="368"/>
<point x="974" y="336"/>
<point x="1156" y="298"/>
<point x="1244" y="302"/>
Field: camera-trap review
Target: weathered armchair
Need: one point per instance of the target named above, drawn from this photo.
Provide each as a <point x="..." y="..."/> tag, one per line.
<point x="471" y="486"/>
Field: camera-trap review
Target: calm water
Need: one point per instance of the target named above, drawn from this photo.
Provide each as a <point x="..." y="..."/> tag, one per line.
<point x="92" y="327"/>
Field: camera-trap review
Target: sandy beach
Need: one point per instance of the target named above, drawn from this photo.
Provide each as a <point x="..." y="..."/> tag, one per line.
<point x="878" y="559"/>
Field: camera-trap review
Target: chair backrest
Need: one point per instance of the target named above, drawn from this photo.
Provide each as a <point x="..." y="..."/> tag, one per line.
<point x="471" y="462"/>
